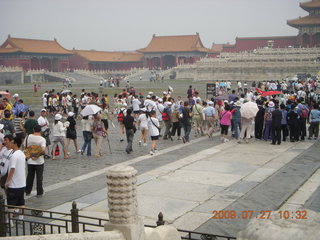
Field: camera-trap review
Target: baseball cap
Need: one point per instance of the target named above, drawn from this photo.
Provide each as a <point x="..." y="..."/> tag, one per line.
<point x="43" y="110"/>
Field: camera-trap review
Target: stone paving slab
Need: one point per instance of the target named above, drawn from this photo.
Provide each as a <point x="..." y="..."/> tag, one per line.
<point x="179" y="190"/>
<point x="270" y="194"/>
<point x="191" y="220"/>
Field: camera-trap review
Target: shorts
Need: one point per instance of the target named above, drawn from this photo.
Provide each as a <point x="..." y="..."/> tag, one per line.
<point x="143" y="128"/>
<point x="71" y="134"/>
<point x="15" y="196"/>
<point x="154" y="138"/>
<point x="224" y="129"/>
<point x="58" y="139"/>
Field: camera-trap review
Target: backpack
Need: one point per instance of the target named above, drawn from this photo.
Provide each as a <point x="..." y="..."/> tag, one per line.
<point x="269" y="114"/>
<point x="165" y="115"/>
<point x="120" y="116"/>
<point x="304" y="112"/>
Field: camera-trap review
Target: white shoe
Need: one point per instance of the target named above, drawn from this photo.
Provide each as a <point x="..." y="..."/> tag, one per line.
<point x="151" y="153"/>
<point x="139" y="142"/>
<point x="145" y="144"/>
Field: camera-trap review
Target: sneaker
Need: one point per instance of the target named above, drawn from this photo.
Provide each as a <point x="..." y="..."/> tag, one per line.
<point x="41" y="195"/>
<point x="79" y="151"/>
<point x="155" y="151"/>
<point x="151" y="153"/>
<point x="145" y="144"/>
<point x="140" y="142"/>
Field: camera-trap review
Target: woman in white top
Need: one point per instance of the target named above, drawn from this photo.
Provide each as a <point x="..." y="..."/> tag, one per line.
<point x="143" y="126"/>
<point x="59" y="135"/>
<point x="87" y="125"/>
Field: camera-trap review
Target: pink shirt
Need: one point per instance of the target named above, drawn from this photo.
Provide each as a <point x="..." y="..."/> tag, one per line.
<point x="225" y="118"/>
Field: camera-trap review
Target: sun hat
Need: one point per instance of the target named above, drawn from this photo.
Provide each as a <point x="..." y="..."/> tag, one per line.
<point x="210" y="103"/>
<point x="70" y="114"/>
<point x="57" y="117"/>
<point x="43" y="110"/>
<point x="238" y="103"/>
<point x="15" y="95"/>
<point x="160" y="100"/>
<point x="271" y="104"/>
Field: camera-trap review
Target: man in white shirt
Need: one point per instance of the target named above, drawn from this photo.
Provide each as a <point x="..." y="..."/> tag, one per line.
<point x="159" y="110"/>
<point x="5" y="155"/>
<point x="135" y="106"/>
<point x="16" y="180"/>
<point x="45" y="131"/>
<point x="35" y="164"/>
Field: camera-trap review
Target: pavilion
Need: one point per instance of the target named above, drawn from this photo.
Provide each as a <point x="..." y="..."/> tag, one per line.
<point x="169" y="51"/>
<point x="31" y="54"/>
<point x="309" y="26"/>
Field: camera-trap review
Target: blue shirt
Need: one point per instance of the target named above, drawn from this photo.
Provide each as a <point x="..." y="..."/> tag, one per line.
<point x="315" y="115"/>
<point x="284" y="120"/>
<point x="209" y="111"/>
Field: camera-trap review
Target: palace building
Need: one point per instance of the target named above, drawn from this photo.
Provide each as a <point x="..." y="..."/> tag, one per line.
<point x="34" y="54"/>
<point x="308" y="26"/>
<point x="169" y="51"/>
<point x="100" y="60"/>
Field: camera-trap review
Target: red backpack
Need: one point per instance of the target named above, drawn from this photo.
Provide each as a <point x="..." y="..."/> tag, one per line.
<point x="120" y="116"/>
<point x="165" y="115"/>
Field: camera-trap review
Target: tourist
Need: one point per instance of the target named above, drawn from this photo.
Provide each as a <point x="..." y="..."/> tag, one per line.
<point x="153" y="125"/>
<point x="7" y="107"/>
<point x="293" y="122"/>
<point x="159" y="110"/>
<point x="276" y="125"/>
<point x="18" y="123"/>
<point x="225" y="122"/>
<point x="166" y="118"/>
<point x="186" y="121"/>
<point x="236" y="120"/>
<point x="59" y="134"/>
<point x="8" y="128"/>
<point x="35" y="163"/>
<point x="314" y="120"/>
<point x="45" y="130"/>
<point x="209" y="113"/>
<point x="143" y="126"/>
<point x="197" y="112"/>
<point x="87" y="125"/>
<point x="136" y="106"/>
<point x="284" y="122"/>
<point x="268" y="121"/>
<point x="30" y="123"/>
<point x="98" y="132"/>
<point x="259" y="120"/>
<point x="129" y="124"/>
<point x="71" y="132"/>
<point x="303" y="112"/>
<point x="16" y="181"/>
<point x="121" y="115"/>
<point x="175" y="119"/>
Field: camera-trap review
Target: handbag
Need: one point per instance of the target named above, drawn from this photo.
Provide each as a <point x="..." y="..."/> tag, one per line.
<point x="46" y="133"/>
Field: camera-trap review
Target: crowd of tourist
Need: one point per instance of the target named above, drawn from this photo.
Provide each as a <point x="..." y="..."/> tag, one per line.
<point x="282" y="111"/>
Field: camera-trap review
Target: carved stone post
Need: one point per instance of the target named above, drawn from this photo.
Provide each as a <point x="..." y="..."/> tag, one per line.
<point x="122" y="201"/>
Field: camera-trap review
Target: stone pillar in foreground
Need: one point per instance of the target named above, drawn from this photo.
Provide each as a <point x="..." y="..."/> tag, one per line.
<point x="122" y="201"/>
<point x="284" y="227"/>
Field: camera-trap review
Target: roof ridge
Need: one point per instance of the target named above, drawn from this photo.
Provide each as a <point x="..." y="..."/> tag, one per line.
<point x="12" y="38"/>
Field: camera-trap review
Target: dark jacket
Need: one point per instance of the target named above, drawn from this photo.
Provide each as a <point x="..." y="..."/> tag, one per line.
<point x="276" y="118"/>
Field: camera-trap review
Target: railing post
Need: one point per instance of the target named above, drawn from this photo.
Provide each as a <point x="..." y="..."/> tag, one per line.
<point x="2" y="217"/>
<point x="74" y="218"/>
<point x="160" y="219"/>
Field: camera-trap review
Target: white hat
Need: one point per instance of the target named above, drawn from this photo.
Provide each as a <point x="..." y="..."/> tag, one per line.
<point x="57" y="117"/>
<point x="210" y="103"/>
<point x="43" y="110"/>
<point x="160" y="100"/>
<point x="148" y="96"/>
<point x="1" y="126"/>
<point x="271" y="104"/>
<point x="165" y="93"/>
<point x="15" y="95"/>
<point x="238" y="103"/>
<point x="70" y="114"/>
<point x="169" y="103"/>
<point x="150" y="93"/>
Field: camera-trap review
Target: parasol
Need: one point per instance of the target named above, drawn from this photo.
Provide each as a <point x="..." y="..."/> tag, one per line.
<point x="249" y="110"/>
<point x="270" y="93"/>
<point x="90" y="110"/>
<point x="65" y="91"/>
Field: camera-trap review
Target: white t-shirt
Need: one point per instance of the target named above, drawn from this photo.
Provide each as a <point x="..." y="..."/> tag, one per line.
<point x="136" y="104"/>
<point x="150" y="105"/>
<point x="143" y="121"/>
<point x="159" y="111"/>
<point x="35" y="140"/>
<point x="69" y="100"/>
<point x="5" y="155"/>
<point x="153" y="130"/>
<point x="18" y="161"/>
<point x="41" y="121"/>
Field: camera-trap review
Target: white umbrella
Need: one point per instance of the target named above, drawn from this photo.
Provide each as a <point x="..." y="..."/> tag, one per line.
<point x="90" y="110"/>
<point x="249" y="110"/>
<point x="65" y="91"/>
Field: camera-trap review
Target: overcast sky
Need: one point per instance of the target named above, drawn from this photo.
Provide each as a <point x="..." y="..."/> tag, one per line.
<point x="113" y="25"/>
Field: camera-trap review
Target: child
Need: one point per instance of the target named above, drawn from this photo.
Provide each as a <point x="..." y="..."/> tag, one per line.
<point x="153" y="125"/>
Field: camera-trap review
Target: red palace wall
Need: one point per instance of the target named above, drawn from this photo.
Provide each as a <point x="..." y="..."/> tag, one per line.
<point x="77" y="62"/>
<point x="251" y="44"/>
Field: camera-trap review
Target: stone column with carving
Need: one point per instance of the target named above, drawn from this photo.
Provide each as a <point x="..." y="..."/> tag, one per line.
<point x="122" y="201"/>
